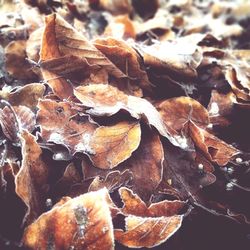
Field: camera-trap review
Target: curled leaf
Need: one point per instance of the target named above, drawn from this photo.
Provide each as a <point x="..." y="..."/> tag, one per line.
<point x="31" y="180"/>
<point x="61" y="124"/>
<point x="106" y="100"/>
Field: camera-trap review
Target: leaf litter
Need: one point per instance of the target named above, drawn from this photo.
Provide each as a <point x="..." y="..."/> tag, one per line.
<point x="122" y="122"/>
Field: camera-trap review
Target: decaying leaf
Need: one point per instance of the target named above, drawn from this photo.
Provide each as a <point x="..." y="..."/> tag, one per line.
<point x="14" y="119"/>
<point x="63" y="46"/>
<point x="61" y="124"/>
<point x="106" y="100"/>
<point x="27" y="95"/>
<point x="31" y="180"/>
<point x="148" y="227"/>
<point x="180" y="57"/>
<point x="192" y="120"/>
<point x="147" y="161"/>
<point x="112" y="145"/>
<point x="80" y="223"/>
<point x="112" y="181"/>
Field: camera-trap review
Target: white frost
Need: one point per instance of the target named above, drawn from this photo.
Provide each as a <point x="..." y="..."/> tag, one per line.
<point x="214" y="110"/>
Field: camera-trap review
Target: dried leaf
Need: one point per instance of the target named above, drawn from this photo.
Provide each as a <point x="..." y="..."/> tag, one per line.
<point x="31" y="180"/>
<point x="212" y="147"/>
<point x="126" y="59"/>
<point x="179" y="58"/>
<point x="27" y="95"/>
<point x="112" y="145"/>
<point x="106" y="100"/>
<point x="61" y="125"/>
<point x="112" y="181"/>
<point x="14" y="119"/>
<point x="146" y="164"/>
<point x="80" y="223"/>
<point x="16" y="64"/>
<point x="64" y="50"/>
<point x="133" y="205"/>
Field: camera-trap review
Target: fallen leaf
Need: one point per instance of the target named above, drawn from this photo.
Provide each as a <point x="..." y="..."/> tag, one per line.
<point x="111" y="145"/>
<point x="27" y="95"/>
<point x="61" y="125"/>
<point x="16" y="64"/>
<point x="80" y="223"/>
<point x="105" y="100"/>
<point x="14" y="119"/>
<point x="63" y="46"/>
<point x="133" y="205"/>
<point x="146" y="164"/>
<point x="112" y="181"/>
<point x="126" y="59"/>
<point x="31" y="180"/>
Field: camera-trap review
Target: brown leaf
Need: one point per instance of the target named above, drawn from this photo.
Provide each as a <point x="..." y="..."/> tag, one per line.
<point x="146" y="164"/>
<point x="50" y="50"/>
<point x="112" y="145"/>
<point x="27" y="95"/>
<point x="148" y="226"/>
<point x="212" y="147"/>
<point x="14" y="119"/>
<point x="177" y="112"/>
<point x="133" y="205"/>
<point x="61" y="125"/>
<point x="148" y="232"/>
<point x="80" y="223"/>
<point x="186" y="116"/>
<point x="181" y="57"/>
<point x="106" y="100"/>
<point x="64" y="51"/>
<point x="112" y="181"/>
<point x="16" y="64"/>
<point x="31" y="180"/>
<point x="238" y="78"/>
<point x="126" y="59"/>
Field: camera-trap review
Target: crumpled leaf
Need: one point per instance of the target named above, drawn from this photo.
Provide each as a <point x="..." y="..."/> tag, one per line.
<point x="31" y="180"/>
<point x="64" y="50"/>
<point x="126" y="59"/>
<point x="16" y="64"/>
<point x="60" y="124"/>
<point x="191" y="120"/>
<point x="112" y="181"/>
<point x="27" y="95"/>
<point x="14" y="119"/>
<point x="143" y="231"/>
<point x="80" y="223"/>
<point x="106" y="100"/>
<point x="147" y="161"/>
<point x="212" y="147"/>
<point x="135" y="206"/>
<point x="238" y="78"/>
<point x="111" y="145"/>
<point x="179" y="58"/>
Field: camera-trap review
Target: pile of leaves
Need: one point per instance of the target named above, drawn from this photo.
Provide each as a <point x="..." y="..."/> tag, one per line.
<point x="124" y="123"/>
